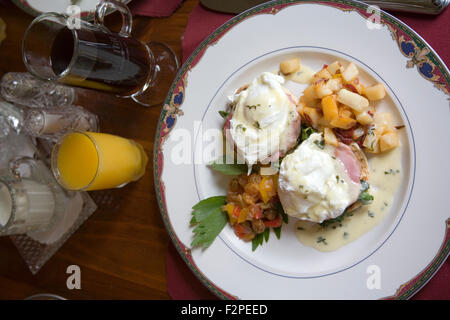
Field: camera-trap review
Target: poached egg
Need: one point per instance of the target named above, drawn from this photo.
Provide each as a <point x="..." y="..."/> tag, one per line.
<point x="264" y="122"/>
<point x="315" y="183"/>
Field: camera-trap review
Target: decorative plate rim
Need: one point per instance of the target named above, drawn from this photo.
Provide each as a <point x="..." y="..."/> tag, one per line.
<point x="411" y="45"/>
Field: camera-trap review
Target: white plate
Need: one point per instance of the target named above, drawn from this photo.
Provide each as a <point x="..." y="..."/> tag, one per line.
<point x="412" y="241"/>
<point x="37" y="7"/>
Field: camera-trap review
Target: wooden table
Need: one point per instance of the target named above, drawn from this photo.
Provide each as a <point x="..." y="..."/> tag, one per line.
<point x="121" y="248"/>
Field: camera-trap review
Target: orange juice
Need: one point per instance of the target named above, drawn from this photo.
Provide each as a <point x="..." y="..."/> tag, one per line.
<point x="93" y="161"/>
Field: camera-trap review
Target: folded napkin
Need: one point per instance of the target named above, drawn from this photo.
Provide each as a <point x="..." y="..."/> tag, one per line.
<point x="201" y="23"/>
<point x="181" y="282"/>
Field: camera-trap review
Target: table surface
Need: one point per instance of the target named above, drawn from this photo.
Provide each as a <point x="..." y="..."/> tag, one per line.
<point x="121" y="248"/>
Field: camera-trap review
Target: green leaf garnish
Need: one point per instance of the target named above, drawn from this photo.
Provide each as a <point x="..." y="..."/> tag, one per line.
<point x="266" y="234"/>
<point x="277" y="232"/>
<point x="280" y="210"/>
<point x="232" y="169"/>
<point x="258" y="240"/>
<point x="365" y="197"/>
<point x="306" y="132"/>
<point x="326" y="223"/>
<point x="209" y="220"/>
<point x="224" y="114"/>
<point x="206" y="207"/>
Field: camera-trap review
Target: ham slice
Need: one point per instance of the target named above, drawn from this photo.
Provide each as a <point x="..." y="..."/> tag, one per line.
<point x="345" y="154"/>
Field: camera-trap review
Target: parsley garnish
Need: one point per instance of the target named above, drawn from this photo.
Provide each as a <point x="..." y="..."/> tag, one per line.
<point x="259" y="239"/>
<point x="365" y="197"/>
<point x="209" y="220"/>
<point x="224" y="114"/>
<point x="231" y="169"/>
<point x="320" y="144"/>
<point x="254" y="106"/>
<point x="305" y="133"/>
<point x="392" y="171"/>
<point x="326" y="223"/>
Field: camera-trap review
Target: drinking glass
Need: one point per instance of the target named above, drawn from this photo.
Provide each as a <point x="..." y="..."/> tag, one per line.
<point x="51" y="124"/>
<point x="94" y="161"/>
<point x="45" y="296"/>
<point x="25" y="89"/>
<point x="75" y="52"/>
<point x="25" y="205"/>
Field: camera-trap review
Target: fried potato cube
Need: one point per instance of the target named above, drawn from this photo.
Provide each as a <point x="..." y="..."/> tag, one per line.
<point x="353" y="100"/>
<point x="355" y="85"/>
<point x="376" y="92"/>
<point x="334" y="67"/>
<point x="343" y="123"/>
<point x="312" y="115"/>
<point x="322" y="89"/>
<point x="300" y="106"/>
<point x="345" y="111"/>
<point x="334" y="84"/>
<point x="322" y="74"/>
<point x="290" y="66"/>
<point x="383" y="122"/>
<point x="389" y="140"/>
<point x="330" y="137"/>
<point x="310" y="96"/>
<point x="330" y="107"/>
<point x="323" y="123"/>
<point x="350" y="73"/>
<point x="364" y="118"/>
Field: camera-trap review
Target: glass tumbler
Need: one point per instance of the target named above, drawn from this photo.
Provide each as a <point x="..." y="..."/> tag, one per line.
<point x="25" y="205"/>
<point x="24" y="89"/>
<point x="75" y="52"/>
<point x="94" y="161"/>
<point x="51" y="124"/>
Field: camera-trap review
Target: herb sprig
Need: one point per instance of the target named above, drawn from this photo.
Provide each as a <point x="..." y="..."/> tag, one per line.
<point x="224" y="114"/>
<point x="209" y="220"/>
<point x="233" y="169"/>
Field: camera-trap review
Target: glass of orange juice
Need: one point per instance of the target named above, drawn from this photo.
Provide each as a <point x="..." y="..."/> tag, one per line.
<point x="94" y="161"/>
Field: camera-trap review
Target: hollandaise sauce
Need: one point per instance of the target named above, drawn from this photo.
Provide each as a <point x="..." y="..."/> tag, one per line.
<point x="303" y="76"/>
<point x="385" y="178"/>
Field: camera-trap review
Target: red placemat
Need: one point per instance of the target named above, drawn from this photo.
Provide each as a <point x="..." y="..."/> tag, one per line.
<point x="154" y="8"/>
<point x="181" y="282"/>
